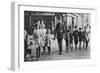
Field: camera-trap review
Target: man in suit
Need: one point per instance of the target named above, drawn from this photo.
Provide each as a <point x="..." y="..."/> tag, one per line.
<point x="59" y="32"/>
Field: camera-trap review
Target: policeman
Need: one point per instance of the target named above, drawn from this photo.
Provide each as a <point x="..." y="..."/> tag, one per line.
<point x="59" y="32"/>
<point x="75" y="34"/>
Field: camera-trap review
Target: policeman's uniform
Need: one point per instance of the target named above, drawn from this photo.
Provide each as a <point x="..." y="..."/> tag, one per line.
<point x="59" y="32"/>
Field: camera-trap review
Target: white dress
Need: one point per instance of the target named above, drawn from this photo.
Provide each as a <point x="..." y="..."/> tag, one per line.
<point x="48" y="40"/>
<point x="88" y="33"/>
<point x="36" y="36"/>
<point x="43" y="32"/>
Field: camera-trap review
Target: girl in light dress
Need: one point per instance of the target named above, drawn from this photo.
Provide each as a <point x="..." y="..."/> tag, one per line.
<point x="36" y="36"/>
<point x="43" y="36"/>
<point x="48" y="41"/>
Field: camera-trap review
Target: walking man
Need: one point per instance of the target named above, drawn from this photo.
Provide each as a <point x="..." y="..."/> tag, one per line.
<point x="59" y="32"/>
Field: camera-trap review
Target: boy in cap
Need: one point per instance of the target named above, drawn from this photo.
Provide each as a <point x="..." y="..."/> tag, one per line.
<point x="75" y="34"/>
<point x="80" y="37"/>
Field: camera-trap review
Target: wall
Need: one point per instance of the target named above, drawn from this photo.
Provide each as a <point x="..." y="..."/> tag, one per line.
<point x="5" y="34"/>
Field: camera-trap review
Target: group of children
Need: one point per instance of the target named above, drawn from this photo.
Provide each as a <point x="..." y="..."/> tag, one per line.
<point x="40" y="40"/>
<point x="77" y="36"/>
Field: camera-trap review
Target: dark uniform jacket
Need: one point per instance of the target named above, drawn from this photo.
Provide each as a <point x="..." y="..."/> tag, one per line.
<point x="59" y="31"/>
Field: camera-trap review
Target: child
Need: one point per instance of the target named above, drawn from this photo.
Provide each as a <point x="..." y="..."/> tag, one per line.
<point x="67" y="38"/>
<point x="29" y="51"/>
<point x="75" y="34"/>
<point x="25" y="45"/>
<point x="71" y="38"/>
<point x="80" y="38"/>
<point x="36" y="35"/>
<point x="48" y="41"/>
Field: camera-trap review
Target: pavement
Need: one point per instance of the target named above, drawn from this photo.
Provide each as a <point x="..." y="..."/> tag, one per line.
<point x="75" y="54"/>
